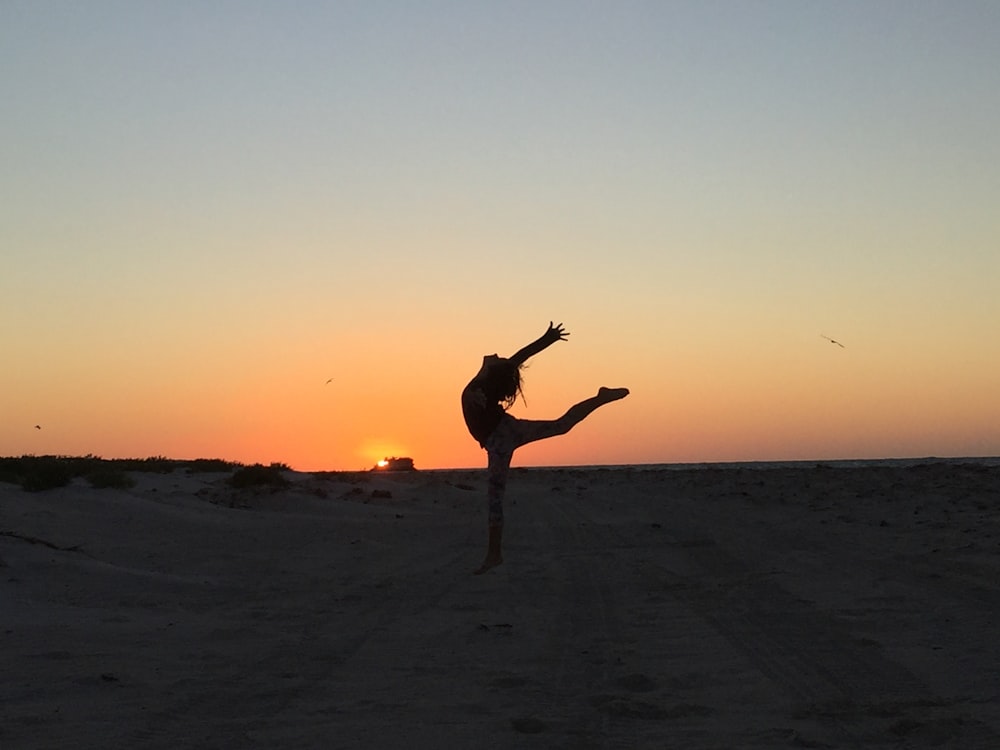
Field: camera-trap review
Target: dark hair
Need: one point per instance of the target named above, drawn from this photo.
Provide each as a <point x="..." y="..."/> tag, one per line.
<point x="503" y="383"/>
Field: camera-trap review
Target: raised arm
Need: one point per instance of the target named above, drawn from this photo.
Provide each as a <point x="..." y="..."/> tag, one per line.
<point x="552" y="335"/>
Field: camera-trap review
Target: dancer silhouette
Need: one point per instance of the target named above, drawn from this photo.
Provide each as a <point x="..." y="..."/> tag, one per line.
<point x="485" y="401"/>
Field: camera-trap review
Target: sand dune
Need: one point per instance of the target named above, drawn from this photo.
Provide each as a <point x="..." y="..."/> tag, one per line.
<point x="708" y="608"/>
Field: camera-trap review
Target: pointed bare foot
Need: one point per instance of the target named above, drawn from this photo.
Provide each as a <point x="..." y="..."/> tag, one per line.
<point x="489" y="562"/>
<point x="607" y="395"/>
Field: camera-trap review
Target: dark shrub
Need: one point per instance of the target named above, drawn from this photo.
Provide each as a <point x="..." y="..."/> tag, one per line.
<point x="258" y="475"/>
<point x="110" y="479"/>
<point x="45" y="474"/>
<point x="154" y="465"/>
<point x="10" y="470"/>
<point x="208" y="466"/>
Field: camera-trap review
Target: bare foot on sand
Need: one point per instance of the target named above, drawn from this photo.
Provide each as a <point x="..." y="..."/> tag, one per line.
<point x="607" y="395"/>
<point x="489" y="562"/>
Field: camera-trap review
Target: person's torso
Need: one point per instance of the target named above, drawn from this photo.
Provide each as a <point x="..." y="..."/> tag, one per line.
<point x="481" y="415"/>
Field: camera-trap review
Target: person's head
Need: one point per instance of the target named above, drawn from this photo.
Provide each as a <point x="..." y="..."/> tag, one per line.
<point x="502" y="380"/>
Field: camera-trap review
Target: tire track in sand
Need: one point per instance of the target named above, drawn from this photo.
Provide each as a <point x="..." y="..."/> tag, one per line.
<point x="820" y="684"/>
<point x="581" y="657"/>
<point x="840" y="682"/>
<point x="286" y="629"/>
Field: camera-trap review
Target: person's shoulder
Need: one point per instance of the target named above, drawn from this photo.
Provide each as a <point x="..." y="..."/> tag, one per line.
<point x="476" y="384"/>
<point x="474" y="395"/>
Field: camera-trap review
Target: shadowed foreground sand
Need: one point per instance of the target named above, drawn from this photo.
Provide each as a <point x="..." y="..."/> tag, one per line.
<point x="710" y="608"/>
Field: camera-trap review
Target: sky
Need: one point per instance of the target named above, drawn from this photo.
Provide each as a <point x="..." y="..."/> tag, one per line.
<point x="208" y="210"/>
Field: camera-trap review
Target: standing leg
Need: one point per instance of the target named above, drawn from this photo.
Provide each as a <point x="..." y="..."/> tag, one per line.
<point x="512" y="433"/>
<point x="499" y="464"/>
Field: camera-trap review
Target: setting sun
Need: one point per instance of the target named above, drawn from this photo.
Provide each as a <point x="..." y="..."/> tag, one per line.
<point x="311" y="274"/>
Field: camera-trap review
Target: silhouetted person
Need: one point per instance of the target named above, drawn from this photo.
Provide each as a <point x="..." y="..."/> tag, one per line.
<point x="485" y="401"/>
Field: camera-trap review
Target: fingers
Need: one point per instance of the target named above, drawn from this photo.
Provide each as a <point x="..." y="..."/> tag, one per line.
<point x="556" y="332"/>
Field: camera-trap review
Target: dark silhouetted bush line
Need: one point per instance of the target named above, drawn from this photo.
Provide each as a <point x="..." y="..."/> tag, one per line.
<point x="37" y="473"/>
<point x="209" y="466"/>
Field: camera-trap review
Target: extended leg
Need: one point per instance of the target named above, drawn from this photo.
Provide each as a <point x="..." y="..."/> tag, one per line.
<point x="578" y="412"/>
<point x="519" y="432"/>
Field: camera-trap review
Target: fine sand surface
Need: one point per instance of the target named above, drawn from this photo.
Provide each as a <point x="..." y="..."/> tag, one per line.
<point x="810" y="607"/>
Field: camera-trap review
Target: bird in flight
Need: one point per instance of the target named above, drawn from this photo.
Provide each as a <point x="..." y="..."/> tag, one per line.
<point x="38" y="427"/>
<point x="328" y="381"/>
<point x="834" y="341"/>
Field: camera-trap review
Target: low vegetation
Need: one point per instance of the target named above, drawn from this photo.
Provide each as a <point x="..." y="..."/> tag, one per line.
<point x="38" y="473"/>
<point x="259" y="475"/>
<point x="114" y="479"/>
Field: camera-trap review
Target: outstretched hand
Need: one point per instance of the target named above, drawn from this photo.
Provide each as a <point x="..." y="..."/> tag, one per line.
<point x="552" y="335"/>
<point x="556" y="333"/>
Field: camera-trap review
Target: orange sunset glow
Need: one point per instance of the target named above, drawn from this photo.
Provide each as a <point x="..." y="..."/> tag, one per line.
<point x="291" y="236"/>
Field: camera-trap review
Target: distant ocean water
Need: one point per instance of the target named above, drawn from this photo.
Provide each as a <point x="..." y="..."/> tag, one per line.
<point x="801" y="464"/>
<point x="992" y="461"/>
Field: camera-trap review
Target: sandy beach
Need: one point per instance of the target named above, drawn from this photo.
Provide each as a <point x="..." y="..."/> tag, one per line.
<point x="800" y="607"/>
